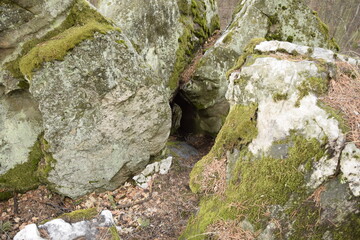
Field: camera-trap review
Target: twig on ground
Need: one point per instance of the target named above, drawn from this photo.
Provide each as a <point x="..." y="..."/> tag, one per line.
<point x="16" y="204"/>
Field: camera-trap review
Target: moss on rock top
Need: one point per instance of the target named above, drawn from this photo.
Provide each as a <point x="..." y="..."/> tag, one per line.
<point x="81" y="23"/>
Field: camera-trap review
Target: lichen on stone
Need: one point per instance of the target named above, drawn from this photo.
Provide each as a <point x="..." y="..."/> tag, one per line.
<point x="312" y="84"/>
<point x="280" y="96"/>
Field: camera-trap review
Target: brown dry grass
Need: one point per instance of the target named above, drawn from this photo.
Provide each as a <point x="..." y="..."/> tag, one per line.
<point x="344" y="96"/>
<point x="227" y="230"/>
<point x="289" y="57"/>
<point x="190" y="69"/>
<point x="214" y="177"/>
<point x="316" y="196"/>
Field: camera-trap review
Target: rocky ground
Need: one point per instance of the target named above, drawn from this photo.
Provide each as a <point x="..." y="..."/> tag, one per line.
<point x="159" y="212"/>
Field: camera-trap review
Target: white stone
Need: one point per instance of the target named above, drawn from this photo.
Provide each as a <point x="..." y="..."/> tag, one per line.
<point x="275" y="119"/>
<point x="58" y="229"/>
<point x="140" y="178"/>
<point x="350" y="60"/>
<point x="151" y="169"/>
<point x="165" y="165"/>
<point x="30" y="232"/>
<point x="325" y="54"/>
<point x="323" y="169"/>
<point x="275" y="46"/>
<point x="108" y="219"/>
<point x="162" y="167"/>
<point x="350" y="167"/>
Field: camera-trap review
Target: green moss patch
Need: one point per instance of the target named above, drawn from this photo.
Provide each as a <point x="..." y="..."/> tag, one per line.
<point x="315" y="85"/>
<point x="238" y="130"/>
<point x="23" y="177"/>
<point x="248" y="50"/>
<point x="81" y="23"/>
<point x="257" y="183"/>
<point x="332" y="44"/>
<point x="336" y="114"/>
<point x="280" y="97"/>
<point x="114" y="233"/>
<point x="56" y="48"/>
<point x="28" y="175"/>
<point x="79" y="215"/>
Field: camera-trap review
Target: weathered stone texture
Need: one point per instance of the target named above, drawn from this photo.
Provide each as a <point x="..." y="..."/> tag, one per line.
<point x="104" y="113"/>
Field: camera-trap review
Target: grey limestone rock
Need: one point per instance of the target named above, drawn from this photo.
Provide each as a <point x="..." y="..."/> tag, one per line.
<point x="104" y="112"/>
<point x="164" y="32"/>
<point x="286" y="20"/>
<point x="101" y="109"/>
<point x="278" y="131"/>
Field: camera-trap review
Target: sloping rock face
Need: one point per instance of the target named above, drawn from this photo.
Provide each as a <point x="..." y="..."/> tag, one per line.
<point x="165" y="33"/>
<point x="343" y="18"/>
<point x="286" y="20"/>
<point x="280" y="167"/>
<point x="102" y="110"/>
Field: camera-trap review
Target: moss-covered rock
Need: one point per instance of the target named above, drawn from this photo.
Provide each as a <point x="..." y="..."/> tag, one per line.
<point x="288" y="176"/>
<point x="22" y="20"/>
<point x="81" y="23"/>
<point x="79" y="215"/>
<point x="98" y="99"/>
<point x="57" y="34"/>
<point x="20" y="151"/>
<point x="286" y="20"/>
<point x="171" y="30"/>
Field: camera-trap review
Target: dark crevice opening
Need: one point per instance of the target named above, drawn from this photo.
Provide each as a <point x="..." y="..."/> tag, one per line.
<point x="188" y="123"/>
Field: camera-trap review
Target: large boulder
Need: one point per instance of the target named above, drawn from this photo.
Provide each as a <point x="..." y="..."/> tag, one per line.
<point x="166" y="33"/>
<point x="286" y="20"/>
<point x="102" y="110"/>
<point x="280" y="167"/>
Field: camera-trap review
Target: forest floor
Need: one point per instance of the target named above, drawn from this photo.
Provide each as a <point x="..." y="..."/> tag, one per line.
<point x="159" y="212"/>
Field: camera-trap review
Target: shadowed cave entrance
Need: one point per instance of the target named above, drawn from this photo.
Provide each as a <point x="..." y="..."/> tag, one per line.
<point x="185" y="118"/>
